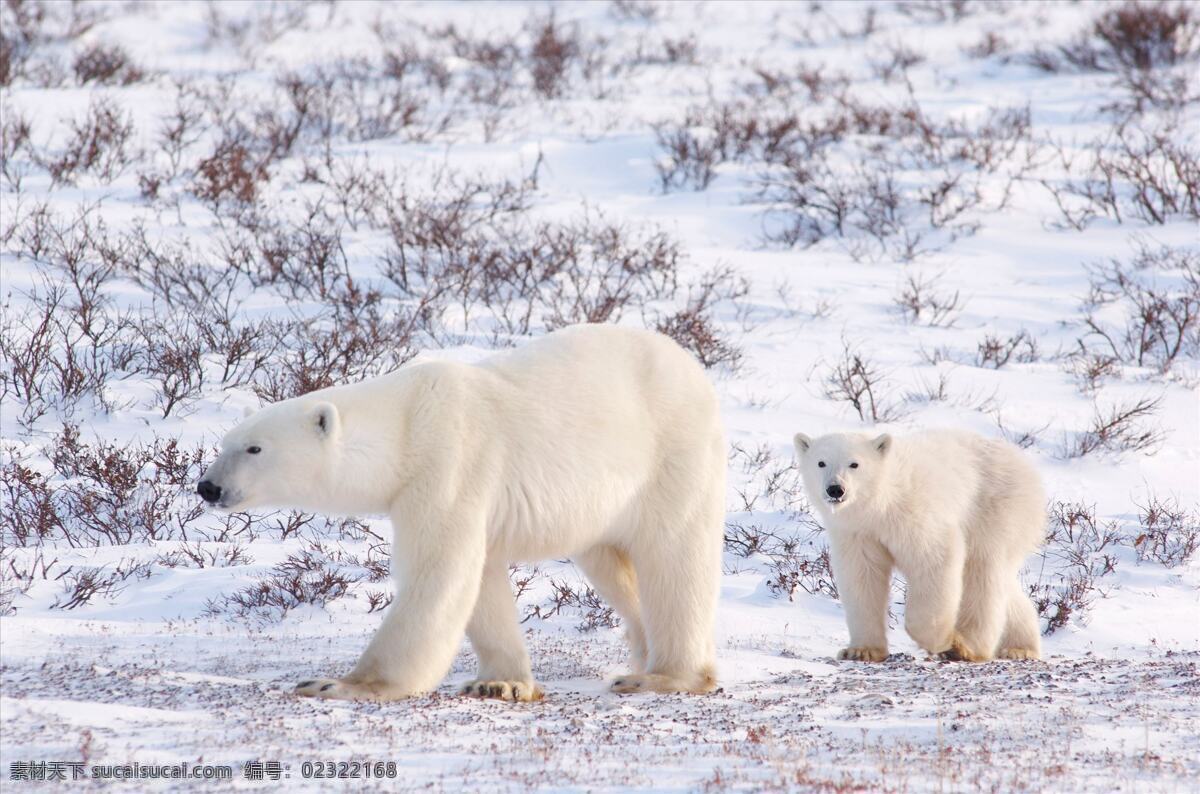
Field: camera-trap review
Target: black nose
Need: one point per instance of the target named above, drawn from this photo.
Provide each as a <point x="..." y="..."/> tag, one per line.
<point x="208" y="492"/>
<point x="835" y="491"/>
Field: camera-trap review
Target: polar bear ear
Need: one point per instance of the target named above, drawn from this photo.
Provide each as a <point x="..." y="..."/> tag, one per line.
<point x="247" y="412"/>
<point x="324" y="417"/>
<point x="882" y="443"/>
<point x="802" y="443"/>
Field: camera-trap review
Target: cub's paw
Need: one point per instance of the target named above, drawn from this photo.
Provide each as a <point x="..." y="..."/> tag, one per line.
<point x="1022" y="654"/>
<point x="865" y="654"/>
<point x="960" y="652"/>
<point x="334" y="689"/>
<point x="515" y="691"/>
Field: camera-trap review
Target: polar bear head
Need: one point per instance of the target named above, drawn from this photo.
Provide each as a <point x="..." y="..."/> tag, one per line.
<point x="281" y="456"/>
<point x="842" y="469"/>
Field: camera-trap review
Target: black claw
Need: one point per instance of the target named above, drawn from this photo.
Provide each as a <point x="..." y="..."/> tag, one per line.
<point x="327" y="687"/>
<point x="303" y="684"/>
<point x="516" y="693"/>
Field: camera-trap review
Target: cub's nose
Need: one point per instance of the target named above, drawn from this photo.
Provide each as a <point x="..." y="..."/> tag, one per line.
<point x="208" y="491"/>
<point x="834" y="491"/>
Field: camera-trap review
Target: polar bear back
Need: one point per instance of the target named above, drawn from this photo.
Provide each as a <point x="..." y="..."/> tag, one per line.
<point x="981" y="486"/>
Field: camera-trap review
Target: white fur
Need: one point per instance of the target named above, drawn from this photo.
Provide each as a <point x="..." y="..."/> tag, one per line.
<point x="595" y="442"/>
<point x="954" y="512"/>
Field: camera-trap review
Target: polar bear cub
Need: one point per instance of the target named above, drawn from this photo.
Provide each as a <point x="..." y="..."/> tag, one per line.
<point x="955" y="513"/>
<point x="597" y="443"/>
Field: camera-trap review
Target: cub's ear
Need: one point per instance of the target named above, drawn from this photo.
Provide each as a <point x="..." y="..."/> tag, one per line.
<point x="802" y="443"/>
<point x="247" y="412"/>
<point x="882" y="443"/>
<point x="325" y="420"/>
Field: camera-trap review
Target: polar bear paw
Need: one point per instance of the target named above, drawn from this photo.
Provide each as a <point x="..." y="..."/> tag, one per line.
<point x="336" y="689"/>
<point x="631" y="683"/>
<point x="1015" y="654"/>
<point x="515" y="691"/>
<point x="961" y="651"/>
<point x="862" y="654"/>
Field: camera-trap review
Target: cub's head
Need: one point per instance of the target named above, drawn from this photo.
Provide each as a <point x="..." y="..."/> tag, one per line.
<point x="278" y="457"/>
<point x="841" y="468"/>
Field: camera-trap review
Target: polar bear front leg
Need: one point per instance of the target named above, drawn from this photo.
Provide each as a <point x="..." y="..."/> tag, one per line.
<point x="862" y="571"/>
<point x="495" y="635"/>
<point x="439" y="563"/>
<point x="935" y="583"/>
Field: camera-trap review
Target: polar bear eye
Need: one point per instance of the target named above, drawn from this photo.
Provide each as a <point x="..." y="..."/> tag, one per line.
<point x="854" y="465"/>
<point x="821" y="464"/>
<point x="254" y="450"/>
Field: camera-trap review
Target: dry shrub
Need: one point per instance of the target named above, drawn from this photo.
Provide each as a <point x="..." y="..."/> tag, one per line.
<point x="844" y="169"/>
<point x="98" y="145"/>
<point x="859" y="381"/>
<point x="922" y="302"/>
<point x="1168" y="533"/>
<point x="204" y="555"/>
<point x="302" y="579"/>
<point x="65" y="341"/>
<point x="230" y="176"/>
<point x="996" y="353"/>
<point x="15" y="134"/>
<point x="103" y="65"/>
<point x="1119" y="429"/>
<point x="581" y="602"/>
<point x="693" y="327"/>
<point x="315" y="575"/>
<point x="936" y="11"/>
<point x="28" y="26"/>
<point x="1134" y="36"/>
<point x="790" y="553"/>
<point x="1149" y="174"/>
<point x="1148" y="47"/>
<point x="471" y="250"/>
<point x="1080" y="552"/>
<point x="81" y="584"/>
<point x="102" y="494"/>
<point x="19" y="572"/>
<point x="1155" y="298"/>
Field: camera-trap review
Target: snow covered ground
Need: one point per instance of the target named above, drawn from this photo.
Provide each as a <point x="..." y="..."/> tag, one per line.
<point x="890" y="215"/>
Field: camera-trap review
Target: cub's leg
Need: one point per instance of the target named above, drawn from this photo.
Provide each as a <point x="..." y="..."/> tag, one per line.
<point x="611" y="573"/>
<point x="495" y="635"/>
<point x="982" y="612"/>
<point x="862" y="571"/>
<point x="935" y="582"/>
<point x="1022" y="638"/>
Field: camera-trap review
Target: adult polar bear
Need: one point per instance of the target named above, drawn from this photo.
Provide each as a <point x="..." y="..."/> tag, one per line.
<point x="599" y="443"/>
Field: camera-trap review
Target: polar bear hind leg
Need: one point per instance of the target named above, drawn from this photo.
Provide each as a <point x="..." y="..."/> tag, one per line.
<point x="981" y="613"/>
<point x="611" y="573"/>
<point x="1022" y="638"/>
<point x="677" y="588"/>
<point x="504" y="671"/>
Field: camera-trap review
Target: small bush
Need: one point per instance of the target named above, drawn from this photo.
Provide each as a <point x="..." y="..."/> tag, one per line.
<point x="105" y="66"/>
<point x="1156" y="298"/>
<point x="1080" y="552"/>
<point x="302" y="579"/>
<point x="98" y="145"/>
<point x="921" y="302"/>
<point x="857" y="380"/>
<point x="1168" y="534"/>
<point x="996" y="353"/>
<point x="1119" y="429"/>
